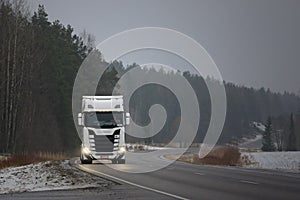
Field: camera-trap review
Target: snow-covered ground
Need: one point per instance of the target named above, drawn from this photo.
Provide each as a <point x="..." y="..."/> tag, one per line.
<point x="250" y="140"/>
<point x="51" y="175"/>
<point x="143" y="147"/>
<point x="274" y="160"/>
<point x="254" y="143"/>
<point x="259" y="125"/>
<point x="152" y="148"/>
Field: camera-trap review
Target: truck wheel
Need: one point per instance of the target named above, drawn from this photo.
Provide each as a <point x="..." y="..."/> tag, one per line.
<point x="81" y="160"/>
<point x="88" y="161"/>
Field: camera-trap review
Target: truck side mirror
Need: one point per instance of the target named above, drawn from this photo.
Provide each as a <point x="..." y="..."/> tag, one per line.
<point x="80" y="119"/>
<point x="127" y="119"/>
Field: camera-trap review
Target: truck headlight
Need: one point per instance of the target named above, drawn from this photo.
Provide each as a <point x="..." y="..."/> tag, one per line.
<point x="86" y="151"/>
<point x="122" y="149"/>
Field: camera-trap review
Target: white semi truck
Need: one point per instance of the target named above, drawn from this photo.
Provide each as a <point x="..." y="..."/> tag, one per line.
<point x="103" y="123"/>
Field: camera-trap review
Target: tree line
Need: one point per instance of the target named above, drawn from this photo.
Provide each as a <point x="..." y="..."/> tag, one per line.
<point x="282" y="133"/>
<point x="39" y="61"/>
<point x="244" y="106"/>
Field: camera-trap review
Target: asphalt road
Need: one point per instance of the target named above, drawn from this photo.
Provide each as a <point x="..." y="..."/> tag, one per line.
<point x="187" y="181"/>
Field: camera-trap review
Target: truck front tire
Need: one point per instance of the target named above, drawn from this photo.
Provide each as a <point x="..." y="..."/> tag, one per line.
<point x="87" y="161"/>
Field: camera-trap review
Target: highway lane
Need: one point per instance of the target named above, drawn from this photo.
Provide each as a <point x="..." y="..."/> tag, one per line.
<point x="183" y="180"/>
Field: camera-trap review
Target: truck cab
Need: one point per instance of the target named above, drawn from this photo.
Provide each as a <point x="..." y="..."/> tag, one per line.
<point x="103" y="122"/>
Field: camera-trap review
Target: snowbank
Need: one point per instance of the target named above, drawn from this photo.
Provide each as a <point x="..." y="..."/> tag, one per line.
<point x="51" y="175"/>
<point x="274" y="160"/>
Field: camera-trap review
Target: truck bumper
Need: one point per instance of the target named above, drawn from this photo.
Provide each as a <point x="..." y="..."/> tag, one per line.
<point x="106" y="156"/>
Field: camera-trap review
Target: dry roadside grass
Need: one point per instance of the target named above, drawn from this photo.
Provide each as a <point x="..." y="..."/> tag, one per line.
<point x="26" y="159"/>
<point x="226" y="156"/>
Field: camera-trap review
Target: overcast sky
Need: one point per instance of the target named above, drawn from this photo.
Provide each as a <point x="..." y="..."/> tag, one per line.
<point x="253" y="42"/>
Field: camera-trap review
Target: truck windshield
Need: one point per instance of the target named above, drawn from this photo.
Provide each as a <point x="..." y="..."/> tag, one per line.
<point x="103" y="119"/>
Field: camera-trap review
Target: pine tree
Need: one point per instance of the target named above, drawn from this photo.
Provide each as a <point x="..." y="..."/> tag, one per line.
<point x="268" y="144"/>
<point x="292" y="142"/>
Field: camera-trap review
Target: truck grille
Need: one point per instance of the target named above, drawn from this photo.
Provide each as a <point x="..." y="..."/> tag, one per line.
<point x="104" y="143"/>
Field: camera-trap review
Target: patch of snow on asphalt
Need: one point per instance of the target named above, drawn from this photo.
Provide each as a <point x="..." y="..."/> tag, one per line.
<point x="274" y="160"/>
<point x="51" y="175"/>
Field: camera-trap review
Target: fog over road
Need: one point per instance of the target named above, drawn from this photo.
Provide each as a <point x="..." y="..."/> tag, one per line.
<point x="183" y="180"/>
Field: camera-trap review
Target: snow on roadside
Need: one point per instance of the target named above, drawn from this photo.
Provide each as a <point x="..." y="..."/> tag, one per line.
<point x="51" y="175"/>
<point x="143" y="147"/>
<point x="152" y="148"/>
<point x="289" y="161"/>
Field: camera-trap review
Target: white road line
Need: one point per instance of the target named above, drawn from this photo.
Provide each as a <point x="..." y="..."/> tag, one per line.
<point x="201" y="174"/>
<point x="249" y="182"/>
<point x="250" y="170"/>
<point x="131" y="183"/>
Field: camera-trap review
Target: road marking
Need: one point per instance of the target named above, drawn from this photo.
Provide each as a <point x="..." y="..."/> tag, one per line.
<point x="273" y="172"/>
<point x="130" y="183"/>
<point x="249" y="182"/>
<point x="253" y="170"/>
<point x="201" y="174"/>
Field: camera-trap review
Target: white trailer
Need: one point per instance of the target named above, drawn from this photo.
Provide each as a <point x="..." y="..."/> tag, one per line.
<point x="103" y="123"/>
